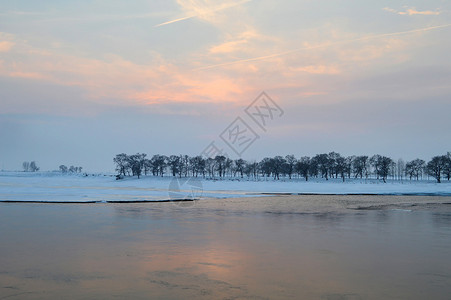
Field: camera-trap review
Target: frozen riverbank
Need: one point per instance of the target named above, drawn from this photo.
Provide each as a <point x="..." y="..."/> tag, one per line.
<point x="54" y="187"/>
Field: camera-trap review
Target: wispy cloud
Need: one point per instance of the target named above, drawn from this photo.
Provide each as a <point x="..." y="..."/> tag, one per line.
<point x="412" y="11"/>
<point x="318" y="69"/>
<point x="240" y="42"/>
<point x="364" y="38"/>
<point x="202" y="9"/>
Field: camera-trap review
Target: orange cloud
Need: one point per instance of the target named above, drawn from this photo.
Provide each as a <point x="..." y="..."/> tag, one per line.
<point x="412" y="11"/>
<point x="114" y="78"/>
<point x="31" y="75"/>
<point x="5" y="46"/>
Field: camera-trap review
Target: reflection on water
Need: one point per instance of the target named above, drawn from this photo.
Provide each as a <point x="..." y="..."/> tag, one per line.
<point x="271" y="248"/>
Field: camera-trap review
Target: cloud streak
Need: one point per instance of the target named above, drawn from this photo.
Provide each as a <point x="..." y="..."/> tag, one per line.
<point x="364" y="38"/>
<point x="174" y="21"/>
<point x="202" y="11"/>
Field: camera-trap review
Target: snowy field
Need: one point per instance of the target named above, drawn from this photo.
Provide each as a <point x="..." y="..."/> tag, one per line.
<point x="55" y="187"/>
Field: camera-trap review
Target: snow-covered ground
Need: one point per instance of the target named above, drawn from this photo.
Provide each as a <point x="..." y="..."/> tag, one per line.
<point x="55" y="187"/>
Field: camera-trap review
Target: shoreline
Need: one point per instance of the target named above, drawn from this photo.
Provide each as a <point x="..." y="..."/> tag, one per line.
<point x="299" y="204"/>
<point x="253" y="195"/>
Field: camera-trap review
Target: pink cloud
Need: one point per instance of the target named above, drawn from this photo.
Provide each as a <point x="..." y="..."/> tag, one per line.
<point x="6" y="46"/>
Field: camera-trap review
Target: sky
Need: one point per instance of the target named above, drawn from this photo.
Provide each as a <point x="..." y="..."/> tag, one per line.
<point x="81" y="81"/>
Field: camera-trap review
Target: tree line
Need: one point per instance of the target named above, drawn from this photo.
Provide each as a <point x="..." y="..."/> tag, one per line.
<point x="325" y="165"/>
<point x="64" y="169"/>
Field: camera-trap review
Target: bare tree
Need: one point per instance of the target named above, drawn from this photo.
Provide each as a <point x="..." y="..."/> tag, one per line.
<point x="375" y="163"/>
<point x="384" y="165"/>
<point x="341" y="166"/>
<point x="33" y="167"/>
<point x="198" y="165"/>
<point x="239" y="166"/>
<point x="303" y="167"/>
<point x="174" y="164"/>
<point x="220" y="164"/>
<point x="121" y="161"/>
<point x="63" y="168"/>
<point x="401" y="168"/>
<point x="435" y="167"/>
<point x="277" y="164"/>
<point x="360" y="166"/>
<point x="322" y="164"/>
<point x="447" y="166"/>
<point x="414" y="168"/>
<point x="26" y="166"/>
<point x="290" y="163"/>
<point x="136" y="162"/>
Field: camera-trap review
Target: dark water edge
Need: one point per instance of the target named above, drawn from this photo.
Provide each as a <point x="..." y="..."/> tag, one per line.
<point x="309" y="247"/>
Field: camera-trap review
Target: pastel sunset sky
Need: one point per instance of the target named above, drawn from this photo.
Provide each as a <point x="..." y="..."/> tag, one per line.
<point x="81" y="81"/>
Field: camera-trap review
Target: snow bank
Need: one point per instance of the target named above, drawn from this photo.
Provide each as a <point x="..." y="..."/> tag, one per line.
<point x="55" y="187"/>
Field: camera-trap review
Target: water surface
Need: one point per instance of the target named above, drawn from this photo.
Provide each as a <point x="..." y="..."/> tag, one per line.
<point x="314" y="247"/>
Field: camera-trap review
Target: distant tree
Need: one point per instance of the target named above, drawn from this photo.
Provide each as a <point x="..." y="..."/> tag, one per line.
<point x="136" y="162"/>
<point x="239" y="164"/>
<point x="322" y="163"/>
<point x="290" y="164"/>
<point x="313" y="167"/>
<point x="360" y="166"/>
<point x="26" y="166"/>
<point x="220" y="164"/>
<point x="63" y="169"/>
<point x="174" y="164"/>
<point x="210" y="166"/>
<point x="384" y="165"/>
<point x="251" y="169"/>
<point x="435" y="167"/>
<point x="33" y="167"/>
<point x="332" y="163"/>
<point x="147" y="166"/>
<point x="277" y="164"/>
<point x="185" y="165"/>
<point x="121" y="161"/>
<point x="265" y="166"/>
<point x="228" y="167"/>
<point x="198" y="165"/>
<point x="414" y="168"/>
<point x="401" y="168"/>
<point x="303" y="167"/>
<point x="341" y="166"/>
<point x="159" y="163"/>
<point x="349" y="162"/>
<point x="375" y="161"/>
<point x="447" y="166"/>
